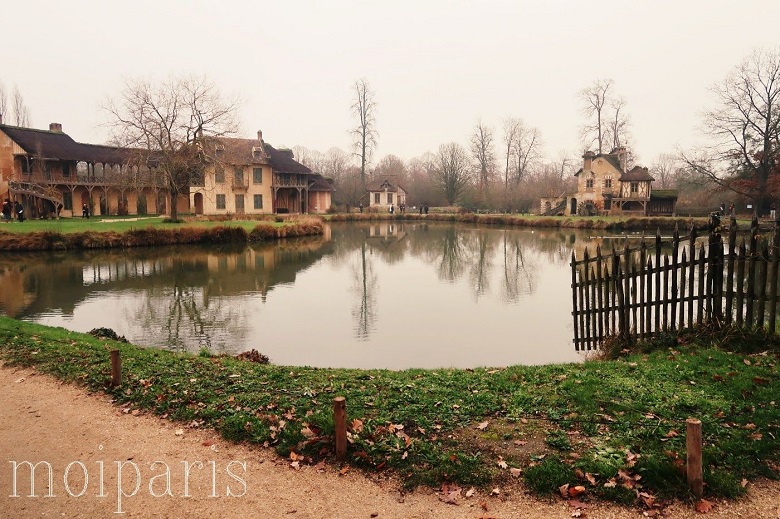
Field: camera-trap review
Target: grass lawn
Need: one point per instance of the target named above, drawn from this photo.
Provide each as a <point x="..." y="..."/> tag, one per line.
<point x="118" y="224"/>
<point x="613" y="427"/>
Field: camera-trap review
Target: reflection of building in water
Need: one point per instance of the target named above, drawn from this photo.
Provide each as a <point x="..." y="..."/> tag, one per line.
<point x="386" y="232"/>
<point x="12" y="296"/>
<point x="33" y="284"/>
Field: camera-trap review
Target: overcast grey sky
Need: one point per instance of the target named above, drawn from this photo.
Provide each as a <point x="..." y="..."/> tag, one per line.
<point x="436" y="66"/>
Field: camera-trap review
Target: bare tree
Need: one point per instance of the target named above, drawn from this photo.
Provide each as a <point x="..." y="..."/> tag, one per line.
<point x="483" y="150"/>
<point x="452" y="173"/>
<point x="664" y="168"/>
<point x="745" y="128"/>
<point x="511" y="127"/>
<point x="171" y="125"/>
<point x="3" y="101"/>
<point x="594" y="99"/>
<point x="563" y="164"/>
<point x="391" y="166"/>
<point x="21" y="112"/>
<point x="364" y="133"/>
<point x="526" y="149"/>
<point x="618" y="123"/>
<point x="335" y="164"/>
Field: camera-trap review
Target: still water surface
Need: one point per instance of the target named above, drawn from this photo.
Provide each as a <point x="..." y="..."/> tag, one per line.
<point x="380" y="295"/>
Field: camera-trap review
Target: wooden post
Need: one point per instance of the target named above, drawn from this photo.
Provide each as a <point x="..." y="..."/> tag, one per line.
<point x="694" y="461"/>
<point x="340" y="425"/>
<point x="116" y="369"/>
<point x="574" y="312"/>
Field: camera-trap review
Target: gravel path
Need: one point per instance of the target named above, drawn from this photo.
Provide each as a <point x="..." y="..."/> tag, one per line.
<point x="95" y="449"/>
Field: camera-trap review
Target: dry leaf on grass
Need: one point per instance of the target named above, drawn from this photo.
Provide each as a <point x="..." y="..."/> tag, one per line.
<point x="704" y="506"/>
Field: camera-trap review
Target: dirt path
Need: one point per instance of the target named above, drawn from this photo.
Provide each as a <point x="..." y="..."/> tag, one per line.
<point x="78" y="433"/>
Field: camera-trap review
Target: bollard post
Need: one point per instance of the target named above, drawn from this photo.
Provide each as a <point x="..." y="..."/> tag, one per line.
<point x="116" y="369"/>
<point x="693" y="467"/>
<point x="340" y="425"/>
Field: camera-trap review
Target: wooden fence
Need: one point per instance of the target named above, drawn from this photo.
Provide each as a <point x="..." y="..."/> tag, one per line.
<point x="637" y="293"/>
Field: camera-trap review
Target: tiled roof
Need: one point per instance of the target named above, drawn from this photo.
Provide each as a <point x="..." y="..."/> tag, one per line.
<point x="636" y="173"/>
<point x="58" y="145"/>
<point x="283" y="161"/>
<point x="379" y="185"/>
<point x="663" y="194"/>
<point x="320" y="183"/>
<point x="238" y="151"/>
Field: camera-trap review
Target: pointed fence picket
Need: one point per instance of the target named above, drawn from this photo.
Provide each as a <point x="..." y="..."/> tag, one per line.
<point x="637" y="293"/>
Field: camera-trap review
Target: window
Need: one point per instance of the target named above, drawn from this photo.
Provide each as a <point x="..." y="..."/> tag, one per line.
<point x="25" y="166"/>
<point x="239" y="203"/>
<point x="258" y="201"/>
<point x="589" y="183"/>
<point x="608" y="182"/>
<point x="377" y="200"/>
<point x="238" y="174"/>
<point x="256" y="153"/>
<point x="220" y="201"/>
<point x="257" y="175"/>
<point x="67" y="201"/>
<point x="389" y="198"/>
<point x="634" y="187"/>
<point x="65" y="169"/>
<point x="219" y="175"/>
<point x="219" y="150"/>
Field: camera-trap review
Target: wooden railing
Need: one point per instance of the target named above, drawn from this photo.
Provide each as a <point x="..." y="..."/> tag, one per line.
<point x="637" y="293"/>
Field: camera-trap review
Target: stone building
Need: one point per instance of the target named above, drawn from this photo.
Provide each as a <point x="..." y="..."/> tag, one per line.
<point x="53" y="175"/>
<point x="606" y="186"/>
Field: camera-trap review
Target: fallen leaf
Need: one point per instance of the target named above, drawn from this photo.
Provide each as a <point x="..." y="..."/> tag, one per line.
<point x="576" y="491"/>
<point x="483" y="425"/>
<point x="451" y="497"/>
<point x="484" y="506"/>
<point x="516" y="472"/>
<point x="564" y="490"/>
<point x="501" y="463"/>
<point x="375" y="514"/>
<point x="496" y="491"/>
<point x="470" y="492"/>
<point x="343" y="471"/>
<point x="704" y="506"/>
<point x="208" y="443"/>
<point x="179" y="432"/>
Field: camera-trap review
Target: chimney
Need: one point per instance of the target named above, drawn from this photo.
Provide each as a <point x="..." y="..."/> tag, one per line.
<point x="259" y="135"/>
<point x="587" y="160"/>
<point x="55" y="127"/>
<point x="622" y="157"/>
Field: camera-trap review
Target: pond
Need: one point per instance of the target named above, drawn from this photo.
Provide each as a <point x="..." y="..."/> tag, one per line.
<point x="364" y="295"/>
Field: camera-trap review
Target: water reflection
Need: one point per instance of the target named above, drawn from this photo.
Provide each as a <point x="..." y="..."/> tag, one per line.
<point x="383" y="294"/>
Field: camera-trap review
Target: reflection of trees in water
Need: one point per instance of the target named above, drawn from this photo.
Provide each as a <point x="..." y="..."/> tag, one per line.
<point x="365" y="286"/>
<point x="457" y="250"/>
<point x="518" y="276"/>
<point x="483" y="252"/>
<point x="451" y="255"/>
<point x="181" y="318"/>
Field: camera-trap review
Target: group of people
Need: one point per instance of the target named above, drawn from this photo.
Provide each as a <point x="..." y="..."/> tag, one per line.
<point x="12" y="210"/>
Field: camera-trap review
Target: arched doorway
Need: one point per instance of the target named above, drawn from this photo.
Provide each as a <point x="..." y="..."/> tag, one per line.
<point x="198" y="203"/>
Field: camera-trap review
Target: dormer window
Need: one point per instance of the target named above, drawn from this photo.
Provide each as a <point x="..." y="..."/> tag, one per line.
<point x="257" y="153"/>
<point x="220" y="150"/>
